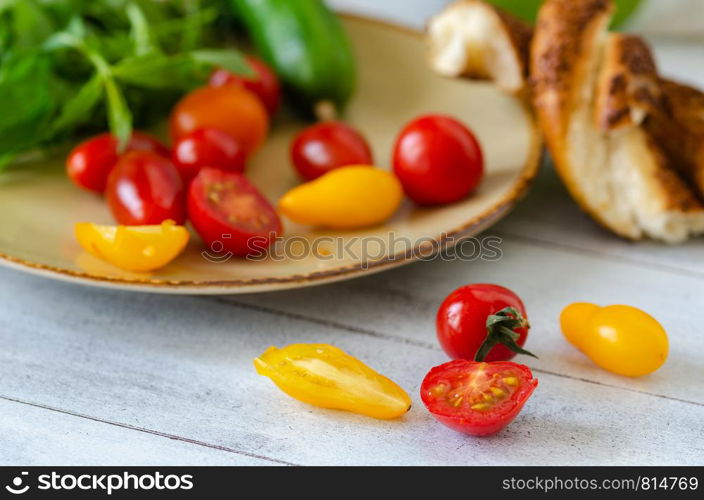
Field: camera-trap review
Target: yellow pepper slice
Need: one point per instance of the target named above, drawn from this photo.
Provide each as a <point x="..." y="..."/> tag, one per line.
<point x="325" y="376"/>
<point x="134" y="248"/>
<point x="620" y="339"/>
<point x="344" y="198"/>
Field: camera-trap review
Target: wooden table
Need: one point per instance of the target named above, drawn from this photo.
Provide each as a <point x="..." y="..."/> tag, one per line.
<point x="97" y="377"/>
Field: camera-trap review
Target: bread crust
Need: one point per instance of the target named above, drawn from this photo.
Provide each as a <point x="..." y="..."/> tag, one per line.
<point x="563" y="44"/>
<point x="679" y="129"/>
<point x="628" y="89"/>
<point x="564" y="40"/>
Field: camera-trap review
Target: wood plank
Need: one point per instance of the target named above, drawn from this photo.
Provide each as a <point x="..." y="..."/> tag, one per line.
<point x="401" y="304"/>
<point x="182" y="366"/>
<point x="34" y="436"/>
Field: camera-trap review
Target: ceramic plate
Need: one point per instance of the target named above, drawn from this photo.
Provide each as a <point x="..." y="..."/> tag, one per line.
<point x="39" y="206"/>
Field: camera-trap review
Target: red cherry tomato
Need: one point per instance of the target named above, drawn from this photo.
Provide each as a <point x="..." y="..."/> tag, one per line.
<point x="476" y="398"/>
<point x="91" y="162"/>
<point x="230" y="214"/>
<point x="264" y="84"/>
<point x="438" y="160"/>
<point x="207" y="147"/>
<point x="145" y="189"/>
<point x="461" y="321"/>
<point x="232" y="109"/>
<point x="326" y="146"/>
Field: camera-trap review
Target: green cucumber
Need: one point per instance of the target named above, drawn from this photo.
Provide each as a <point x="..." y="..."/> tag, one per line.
<point x="305" y="43"/>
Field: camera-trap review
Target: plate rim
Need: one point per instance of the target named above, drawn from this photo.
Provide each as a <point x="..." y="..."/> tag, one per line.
<point x="497" y="211"/>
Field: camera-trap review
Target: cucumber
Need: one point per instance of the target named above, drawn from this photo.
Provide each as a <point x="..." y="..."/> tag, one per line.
<point x="305" y="43"/>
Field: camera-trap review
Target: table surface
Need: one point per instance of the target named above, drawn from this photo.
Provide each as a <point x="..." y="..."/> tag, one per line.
<point x="95" y="377"/>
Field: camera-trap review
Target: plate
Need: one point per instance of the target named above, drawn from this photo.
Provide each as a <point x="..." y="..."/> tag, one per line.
<point x="39" y="206"/>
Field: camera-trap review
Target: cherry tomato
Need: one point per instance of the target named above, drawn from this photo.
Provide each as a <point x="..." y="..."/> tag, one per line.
<point x="232" y="109"/>
<point x="621" y="339"/>
<point x="438" y="160"/>
<point x="145" y="189"/>
<point x="207" y="147"/>
<point x="477" y="398"/>
<point x="264" y="84"/>
<point x="461" y="321"/>
<point x="326" y="146"/>
<point x="91" y="162"/>
<point x="230" y="214"/>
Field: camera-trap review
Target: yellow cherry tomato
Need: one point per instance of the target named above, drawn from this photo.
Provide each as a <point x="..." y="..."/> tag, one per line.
<point x="134" y="248"/>
<point x="325" y="376"/>
<point x="620" y="339"/>
<point x="344" y="198"/>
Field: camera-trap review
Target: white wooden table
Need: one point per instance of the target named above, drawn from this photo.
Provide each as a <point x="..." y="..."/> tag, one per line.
<point x="94" y="377"/>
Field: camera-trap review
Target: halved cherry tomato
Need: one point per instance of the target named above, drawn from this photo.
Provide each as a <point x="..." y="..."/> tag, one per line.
<point x="264" y="83"/>
<point x="461" y="322"/>
<point x="90" y="163"/>
<point x="134" y="248"/>
<point x="326" y="146"/>
<point x="146" y="189"/>
<point x="477" y="398"/>
<point x="621" y="339"/>
<point x="207" y="147"/>
<point x="438" y="160"/>
<point x="231" y="108"/>
<point x="230" y="214"/>
<point x="325" y="376"/>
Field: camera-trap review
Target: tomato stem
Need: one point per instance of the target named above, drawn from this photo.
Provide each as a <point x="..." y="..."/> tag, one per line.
<point x="500" y="329"/>
<point x="325" y="111"/>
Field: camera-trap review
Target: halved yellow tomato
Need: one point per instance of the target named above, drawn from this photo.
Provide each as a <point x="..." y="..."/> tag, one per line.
<point x="323" y="375"/>
<point x="134" y="248"/>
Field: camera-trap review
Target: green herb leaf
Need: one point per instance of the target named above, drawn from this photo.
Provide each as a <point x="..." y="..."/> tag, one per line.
<point x="31" y="25"/>
<point x="79" y="107"/>
<point x="67" y="64"/>
<point x="158" y="71"/>
<point x="228" y="59"/>
<point x="140" y="33"/>
<point x="119" y="115"/>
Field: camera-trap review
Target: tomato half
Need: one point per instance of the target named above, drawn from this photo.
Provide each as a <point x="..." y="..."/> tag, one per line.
<point x="461" y="321"/>
<point x="231" y="108"/>
<point x="325" y="376"/>
<point x="476" y="398"/>
<point x="90" y="163"/>
<point x="326" y="146"/>
<point x="438" y="160"/>
<point x="264" y="83"/>
<point x="207" y="147"/>
<point x="145" y="189"/>
<point x="134" y="248"/>
<point x="230" y="214"/>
